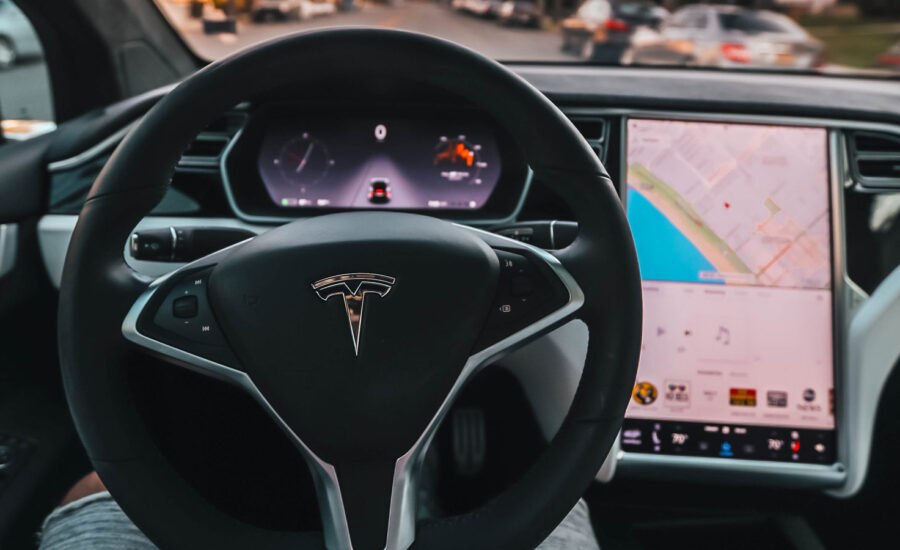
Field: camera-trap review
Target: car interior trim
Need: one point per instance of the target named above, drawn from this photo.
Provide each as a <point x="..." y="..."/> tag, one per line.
<point x="105" y="146"/>
<point x="873" y="349"/>
<point x="401" y="527"/>
<point x="55" y="231"/>
<point x="713" y="116"/>
<point x="759" y="92"/>
<point x="8" y="238"/>
<point x="336" y="531"/>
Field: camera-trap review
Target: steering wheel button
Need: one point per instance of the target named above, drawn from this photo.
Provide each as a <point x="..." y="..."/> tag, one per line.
<point x="511" y="263"/>
<point x="185" y="307"/>
<point x="185" y="311"/>
<point x="521" y="286"/>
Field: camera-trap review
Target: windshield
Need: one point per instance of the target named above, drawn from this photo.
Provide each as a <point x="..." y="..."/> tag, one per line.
<point x="829" y="36"/>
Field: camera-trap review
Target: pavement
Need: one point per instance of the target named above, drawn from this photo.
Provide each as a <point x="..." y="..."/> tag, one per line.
<point x="483" y="35"/>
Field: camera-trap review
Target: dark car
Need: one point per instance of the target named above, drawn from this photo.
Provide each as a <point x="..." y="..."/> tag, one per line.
<point x="519" y="12"/>
<point x="379" y="191"/>
<point x="601" y="30"/>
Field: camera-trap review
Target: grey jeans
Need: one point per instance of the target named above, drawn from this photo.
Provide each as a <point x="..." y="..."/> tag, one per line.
<point x="97" y="523"/>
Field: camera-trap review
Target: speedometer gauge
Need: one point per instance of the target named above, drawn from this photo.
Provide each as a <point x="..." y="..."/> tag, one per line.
<point x="374" y="160"/>
<point x="304" y="161"/>
<point x="458" y="160"/>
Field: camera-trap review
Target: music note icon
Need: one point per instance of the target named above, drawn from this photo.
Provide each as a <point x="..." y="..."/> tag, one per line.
<point x="724" y="336"/>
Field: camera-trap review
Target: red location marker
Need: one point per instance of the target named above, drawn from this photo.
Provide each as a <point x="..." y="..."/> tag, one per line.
<point x="727" y="205"/>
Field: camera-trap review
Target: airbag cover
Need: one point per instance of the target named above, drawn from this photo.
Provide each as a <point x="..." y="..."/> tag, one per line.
<point x="415" y="335"/>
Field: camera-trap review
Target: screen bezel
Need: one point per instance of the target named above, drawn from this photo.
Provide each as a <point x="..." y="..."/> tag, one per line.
<point x="252" y="202"/>
<point x="838" y="277"/>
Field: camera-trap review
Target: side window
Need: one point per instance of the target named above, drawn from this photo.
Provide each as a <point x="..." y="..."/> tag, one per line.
<point x="676" y="21"/>
<point x="688" y="20"/>
<point x="695" y="21"/>
<point x="26" y="106"/>
<point x="700" y="21"/>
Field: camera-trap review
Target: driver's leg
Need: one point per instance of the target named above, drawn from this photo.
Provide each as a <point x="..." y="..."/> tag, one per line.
<point x="89" y="519"/>
<point x="574" y="533"/>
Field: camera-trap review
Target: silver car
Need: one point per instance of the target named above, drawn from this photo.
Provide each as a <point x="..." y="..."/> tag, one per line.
<point x="17" y="37"/>
<point x="728" y="37"/>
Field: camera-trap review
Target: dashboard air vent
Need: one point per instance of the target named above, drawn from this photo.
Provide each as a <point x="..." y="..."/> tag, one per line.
<point x="596" y="131"/>
<point x="206" y="150"/>
<point x="875" y="159"/>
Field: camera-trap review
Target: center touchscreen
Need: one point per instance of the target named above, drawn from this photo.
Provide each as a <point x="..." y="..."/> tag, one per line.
<point x="733" y="234"/>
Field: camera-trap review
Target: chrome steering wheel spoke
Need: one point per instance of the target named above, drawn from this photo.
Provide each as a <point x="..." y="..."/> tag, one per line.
<point x="544" y="269"/>
<point x="172" y="319"/>
<point x="197" y="345"/>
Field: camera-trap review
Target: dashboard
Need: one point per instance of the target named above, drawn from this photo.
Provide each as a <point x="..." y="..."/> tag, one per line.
<point x="452" y="162"/>
<point x="741" y="214"/>
<point x="379" y="162"/>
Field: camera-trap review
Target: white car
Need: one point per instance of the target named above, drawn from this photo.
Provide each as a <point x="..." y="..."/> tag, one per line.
<point x="484" y="8"/>
<point x="17" y="37"/>
<point x="291" y="9"/>
<point x="310" y="8"/>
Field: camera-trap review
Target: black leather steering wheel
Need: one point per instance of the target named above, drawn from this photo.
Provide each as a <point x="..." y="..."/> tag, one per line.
<point x="360" y="406"/>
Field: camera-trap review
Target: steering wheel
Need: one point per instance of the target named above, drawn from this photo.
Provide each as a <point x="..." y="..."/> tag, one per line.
<point x="429" y="303"/>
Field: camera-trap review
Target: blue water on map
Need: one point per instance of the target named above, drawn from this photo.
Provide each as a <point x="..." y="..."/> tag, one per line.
<point x="664" y="253"/>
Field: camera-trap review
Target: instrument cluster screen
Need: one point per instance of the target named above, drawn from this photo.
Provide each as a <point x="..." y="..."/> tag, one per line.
<point x="732" y="226"/>
<point x="370" y="162"/>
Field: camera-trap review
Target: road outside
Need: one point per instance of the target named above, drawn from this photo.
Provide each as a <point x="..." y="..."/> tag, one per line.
<point x="482" y="35"/>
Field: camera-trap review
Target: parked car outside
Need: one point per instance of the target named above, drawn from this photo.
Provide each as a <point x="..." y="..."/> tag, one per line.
<point x="281" y="10"/>
<point x="891" y="58"/>
<point x="314" y="8"/>
<point x="520" y="12"/>
<point x="730" y="37"/>
<point x="601" y="30"/>
<point x="483" y="8"/>
<point x="18" y="40"/>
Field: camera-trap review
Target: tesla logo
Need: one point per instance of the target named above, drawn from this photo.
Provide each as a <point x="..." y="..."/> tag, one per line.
<point x="353" y="288"/>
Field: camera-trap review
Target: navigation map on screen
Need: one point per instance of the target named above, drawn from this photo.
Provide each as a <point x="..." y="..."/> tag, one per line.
<point x="730" y="203"/>
<point x="732" y="228"/>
